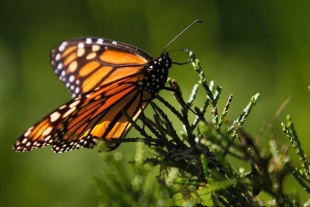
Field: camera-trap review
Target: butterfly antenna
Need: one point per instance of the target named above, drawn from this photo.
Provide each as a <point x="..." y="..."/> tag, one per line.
<point x="194" y="22"/>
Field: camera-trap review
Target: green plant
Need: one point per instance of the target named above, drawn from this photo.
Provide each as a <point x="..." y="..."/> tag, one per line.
<point x="194" y="163"/>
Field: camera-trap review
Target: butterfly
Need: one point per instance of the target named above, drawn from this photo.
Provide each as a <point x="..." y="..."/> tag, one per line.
<point x="107" y="79"/>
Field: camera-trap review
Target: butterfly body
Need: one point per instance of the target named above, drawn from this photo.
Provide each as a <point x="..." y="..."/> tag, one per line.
<point x="105" y="78"/>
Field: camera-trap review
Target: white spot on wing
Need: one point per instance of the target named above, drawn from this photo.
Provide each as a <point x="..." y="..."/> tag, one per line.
<point x="68" y="112"/>
<point x="77" y="90"/>
<point x="47" y="131"/>
<point x="62" y="107"/>
<point x="54" y="116"/>
<point x="91" y="56"/>
<point x="95" y="48"/>
<point x="59" y="66"/>
<point x="80" y="52"/>
<point x="88" y="40"/>
<point x="57" y="57"/>
<point x="71" y="78"/>
<point x="27" y="133"/>
<point x="61" y="48"/>
<point x="81" y="45"/>
<point x="47" y="138"/>
<point x="74" y="104"/>
<point x="73" y="66"/>
<point x="17" y="143"/>
<point x="100" y="41"/>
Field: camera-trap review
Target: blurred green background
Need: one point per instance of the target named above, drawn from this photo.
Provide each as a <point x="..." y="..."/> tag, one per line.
<point x="245" y="46"/>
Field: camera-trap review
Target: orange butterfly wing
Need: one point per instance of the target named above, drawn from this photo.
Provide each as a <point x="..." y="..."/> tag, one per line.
<point x="105" y="78"/>
<point x="85" y="64"/>
<point x="85" y="119"/>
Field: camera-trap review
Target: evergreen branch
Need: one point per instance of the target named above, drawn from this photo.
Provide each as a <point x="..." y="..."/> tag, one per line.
<point x="291" y="133"/>
<point x="238" y="123"/>
<point x="193" y="163"/>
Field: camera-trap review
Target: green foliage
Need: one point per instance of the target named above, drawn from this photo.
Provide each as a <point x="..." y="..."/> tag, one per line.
<point x="135" y="187"/>
<point x="195" y="167"/>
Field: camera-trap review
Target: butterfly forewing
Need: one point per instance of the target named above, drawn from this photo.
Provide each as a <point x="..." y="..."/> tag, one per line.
<point x="87" y="63"/>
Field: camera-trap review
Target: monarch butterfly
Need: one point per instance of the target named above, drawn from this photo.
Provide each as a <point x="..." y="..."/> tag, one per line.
<point x="105" y="78"/>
